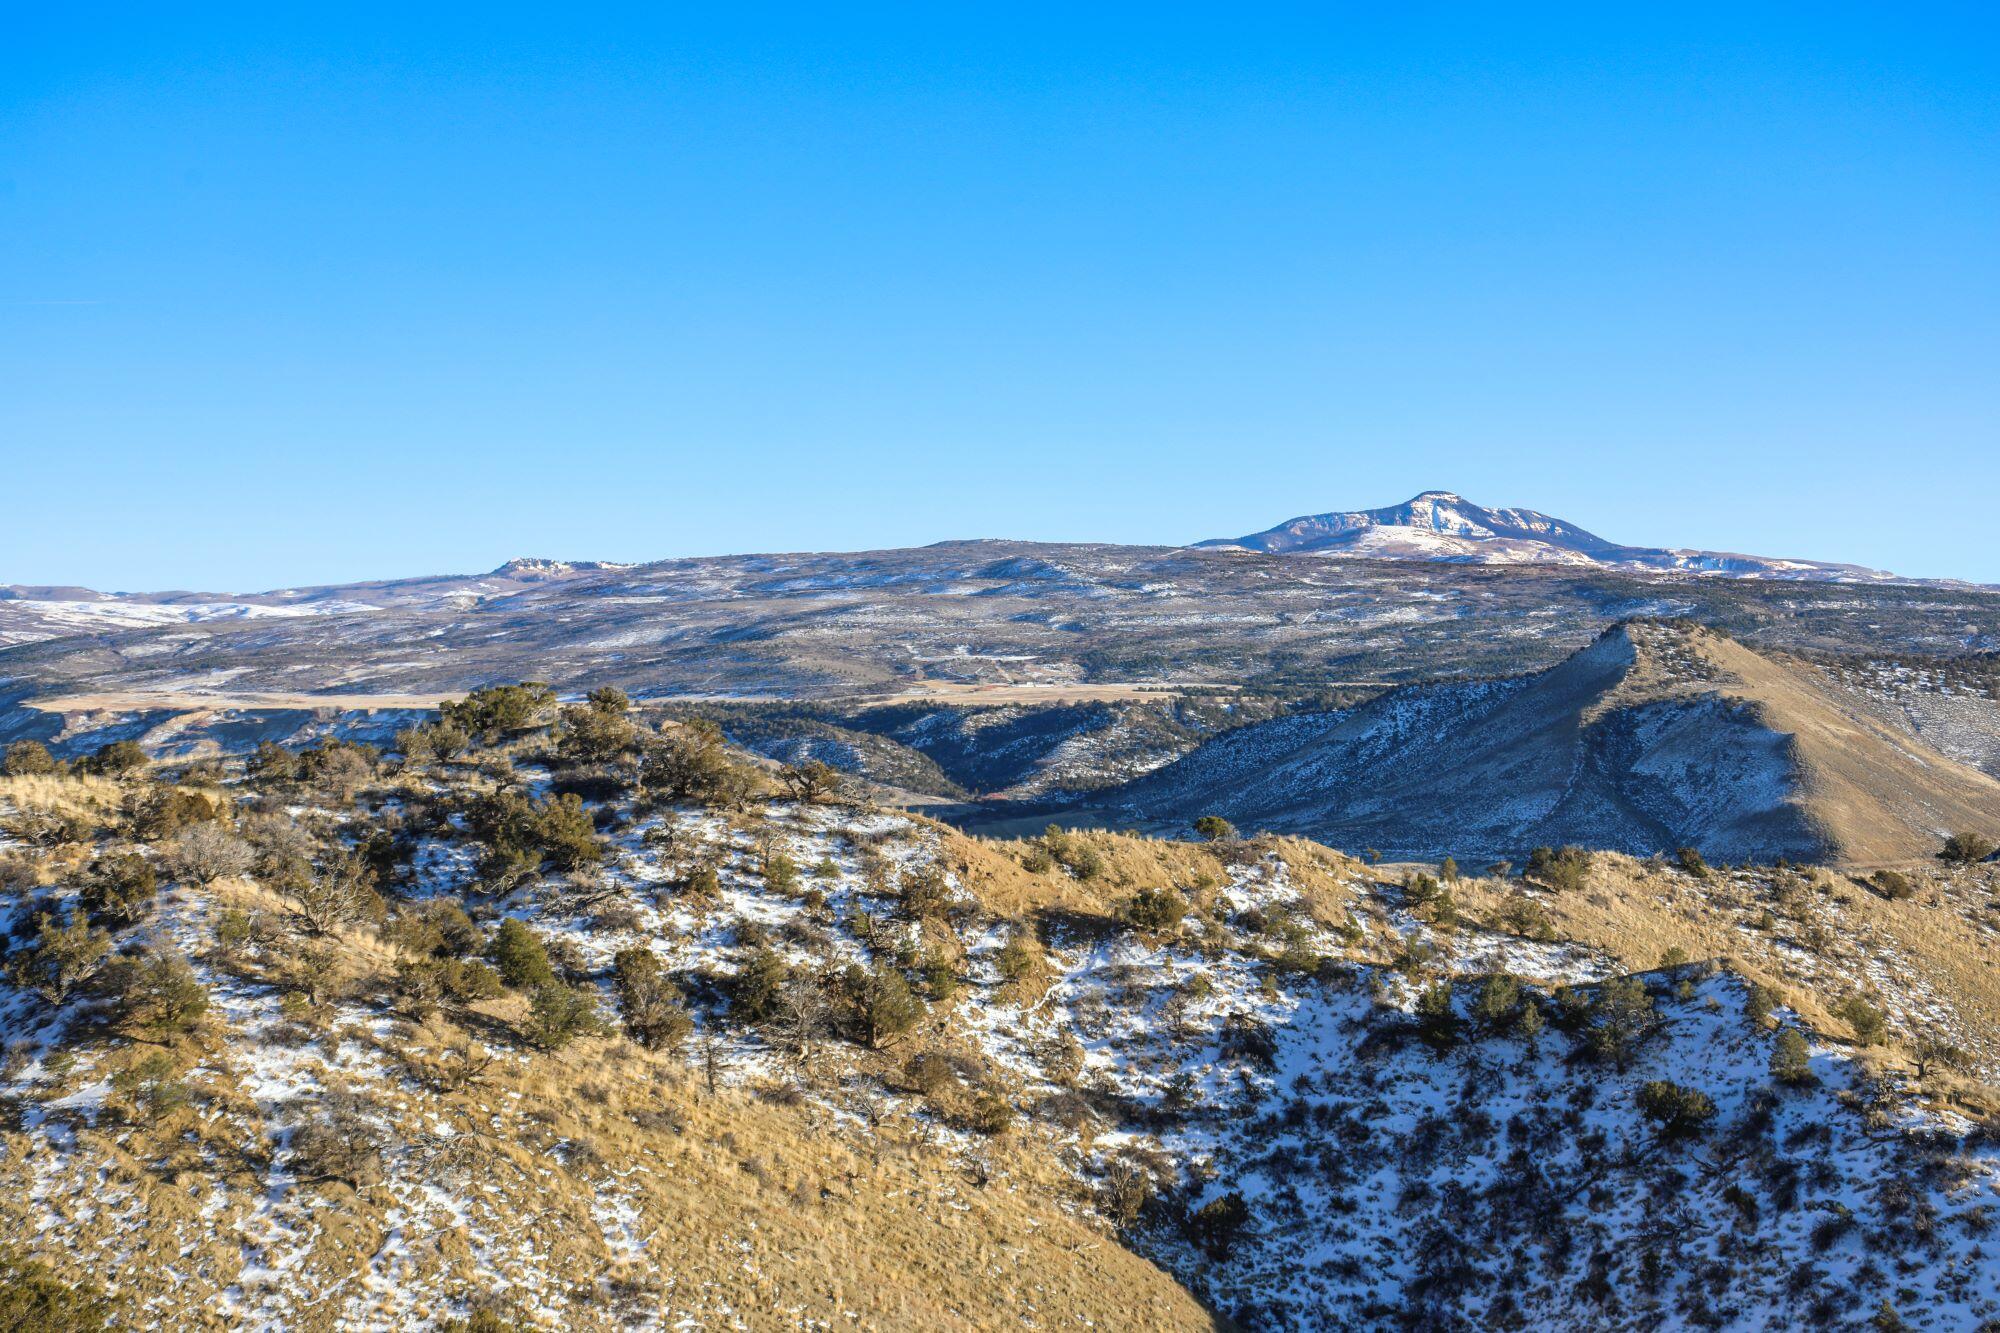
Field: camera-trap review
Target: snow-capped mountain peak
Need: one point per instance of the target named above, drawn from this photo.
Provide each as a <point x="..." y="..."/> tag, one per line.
<point x="532" y="569"/>
<point x="1444" y="525"/>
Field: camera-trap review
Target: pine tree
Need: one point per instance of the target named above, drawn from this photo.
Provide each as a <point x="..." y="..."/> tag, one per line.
<point x="520" y="956"/>
<point x="1791" y="1059"/>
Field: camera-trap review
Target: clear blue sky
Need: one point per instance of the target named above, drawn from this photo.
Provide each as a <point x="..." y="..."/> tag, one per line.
<point x="370" y="292"/>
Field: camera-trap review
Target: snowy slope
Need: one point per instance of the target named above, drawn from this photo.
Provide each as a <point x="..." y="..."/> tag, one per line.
<point x="1390" y="1178"/>
<point x="1393" y="1167"/>
<point x="1655" y="737"/>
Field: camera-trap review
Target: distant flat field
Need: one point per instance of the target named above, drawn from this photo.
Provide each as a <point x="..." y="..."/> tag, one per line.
<point x="1006" y="692"/>
<point x="128" y="701"/>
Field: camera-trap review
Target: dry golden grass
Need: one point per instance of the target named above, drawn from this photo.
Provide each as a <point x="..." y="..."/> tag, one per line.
<point x="774" y="1209"/>
<point x="1874" y="792"/>
<point x="878" y="1226"/>
<point x="62" y="794"/>
<point x="993" y="871"/>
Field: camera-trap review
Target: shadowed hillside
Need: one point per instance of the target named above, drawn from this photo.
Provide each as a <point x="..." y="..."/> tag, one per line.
<point x="1651" y="738"/>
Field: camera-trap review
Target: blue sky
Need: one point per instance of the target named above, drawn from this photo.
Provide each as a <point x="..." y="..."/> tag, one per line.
<point x="308" y="298"/>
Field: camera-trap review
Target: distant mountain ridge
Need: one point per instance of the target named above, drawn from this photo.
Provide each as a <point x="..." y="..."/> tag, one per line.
<point x="1436" y="526"/>
<point x="1443" y="525"/>
<point x="30" y="614"/>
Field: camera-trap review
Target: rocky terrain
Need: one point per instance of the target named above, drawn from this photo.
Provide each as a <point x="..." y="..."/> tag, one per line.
<point x="580" y="1022"/>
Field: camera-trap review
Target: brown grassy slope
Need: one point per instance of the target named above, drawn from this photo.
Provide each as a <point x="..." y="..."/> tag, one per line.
<point x="775" y="1211"/>
<point x="993" y="870"/>
<point x="781" y="1211"/>
<point x="62" y="793"/>
<point x="768" y="1211"/>
<point x="1816" y="936"/>
<point x="1876" y="794"/>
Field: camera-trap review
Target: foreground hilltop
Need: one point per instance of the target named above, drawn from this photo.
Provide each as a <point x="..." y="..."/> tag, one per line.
<point x="1656" y="736"/>
<point x="560" y="1019"/>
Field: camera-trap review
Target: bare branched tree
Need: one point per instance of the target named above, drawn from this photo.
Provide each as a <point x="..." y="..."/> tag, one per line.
<point x="811" y="782"/>
<point x="803" y="1014"/>
<point x="332" y="895"/>
<point x="207" y="852"/>
<point x="712" y="1050"/>
<point x="1124" y="1192"/>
